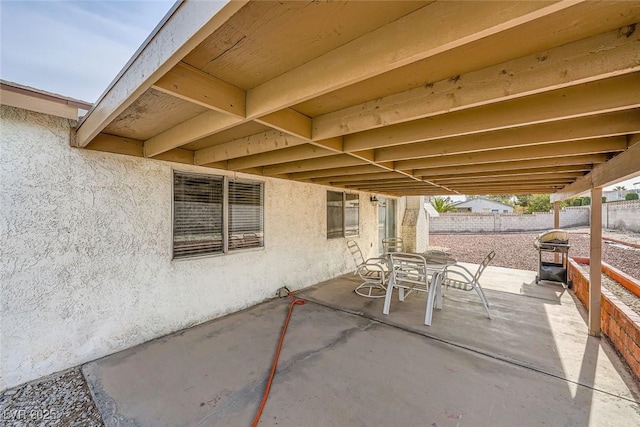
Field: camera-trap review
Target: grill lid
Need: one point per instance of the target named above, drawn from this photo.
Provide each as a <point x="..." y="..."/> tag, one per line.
<point x="554" y="236"/>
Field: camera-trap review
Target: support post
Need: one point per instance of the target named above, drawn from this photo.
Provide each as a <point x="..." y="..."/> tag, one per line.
<point x="556" y="225"/>
<point x="415" y="228"/>
<point x="595" y="265"/>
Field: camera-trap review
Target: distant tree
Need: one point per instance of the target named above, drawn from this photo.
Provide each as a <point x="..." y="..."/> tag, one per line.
<point x="631" y="196"/>
<point x="577" y="201"/>
<point x="539" y="203"/>
<point x="619" y="188"/>
<point x="586" y="201"/>
<point x="442" y="204"/>
<point x="523" y="200"/>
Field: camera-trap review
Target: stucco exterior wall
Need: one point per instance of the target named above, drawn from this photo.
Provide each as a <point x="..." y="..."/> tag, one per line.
<point x="85" y="243"/>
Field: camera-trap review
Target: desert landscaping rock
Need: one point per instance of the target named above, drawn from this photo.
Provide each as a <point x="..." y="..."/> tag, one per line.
<point x="516" y="250"/>
<point x="62" y="400"/>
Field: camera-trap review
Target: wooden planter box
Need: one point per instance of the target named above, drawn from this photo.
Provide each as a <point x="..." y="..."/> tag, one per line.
<point x="617" y="321"/>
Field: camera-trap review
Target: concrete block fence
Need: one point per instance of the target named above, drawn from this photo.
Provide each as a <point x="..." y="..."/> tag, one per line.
<point x="622" y="215"/>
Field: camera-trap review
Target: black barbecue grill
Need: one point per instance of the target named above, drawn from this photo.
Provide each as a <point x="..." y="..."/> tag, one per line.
<point x="553" y="250"/>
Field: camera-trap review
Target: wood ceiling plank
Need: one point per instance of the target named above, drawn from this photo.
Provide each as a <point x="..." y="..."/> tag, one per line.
<point x="200" y="126"/>
<point x="617" y="93"/>
<point x="382" y="183"/>
<point x="581" y="160"/>
<point x="248" y="146"/>
<point x="512" y="178"/>
<point x="610" y="124"/>
<point x="152" y="113"/>
<point x="335" y="172"/>
<point x="335" y="161"/>
<point x="288" y="120"/>
<point x="269" y="38"/>
<point x="239" y="131"/>
<point x="557" y="182"/>
<point x="623" y="165"/>
<point x="285" y="155"/>
<point x="605" y="55"/>
<point x="576" y="170"/>
<point x="132" y="147"/>
<point x="507" y="190"/>
<point x="587" y="20"/>
<point x="360" y="177"/>
<point x="423" y="33"/>
<point x="590" y="146"/>
<point x="190" y="84"/>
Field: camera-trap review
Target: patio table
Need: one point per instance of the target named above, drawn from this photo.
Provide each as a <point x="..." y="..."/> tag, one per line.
<point x="433" y="263"/>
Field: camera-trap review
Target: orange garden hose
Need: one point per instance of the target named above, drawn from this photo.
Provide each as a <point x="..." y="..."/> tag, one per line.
<point x="294" y="302"/>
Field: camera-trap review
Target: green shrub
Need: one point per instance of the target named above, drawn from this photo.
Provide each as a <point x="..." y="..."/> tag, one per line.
<point x="631" y="196"/>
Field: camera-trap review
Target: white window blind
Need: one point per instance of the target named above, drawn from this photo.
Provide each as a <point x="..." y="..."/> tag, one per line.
<point x="197" y="215"/>
<point x="212" y="214"/>
<point x="246" y="223"/>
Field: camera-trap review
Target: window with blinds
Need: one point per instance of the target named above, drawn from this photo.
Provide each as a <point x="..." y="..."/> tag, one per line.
<point x="246" y="222"/>
<point x="343" y="214"/>
<point x="212" y="215"/>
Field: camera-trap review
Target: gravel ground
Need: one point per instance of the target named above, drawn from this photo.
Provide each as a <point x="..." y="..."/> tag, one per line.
<point x="58" y="400"/>
<point x="516" y="250"/>
<point x="623" y="294"/>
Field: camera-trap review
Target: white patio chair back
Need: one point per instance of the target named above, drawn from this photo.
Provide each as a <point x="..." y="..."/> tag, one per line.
<point x="374" y="272"/>
<point x="392" y="245"/>
<point x="459" y="277"/>
<point x="411" y="272"/>
<point x="356" y="253"/>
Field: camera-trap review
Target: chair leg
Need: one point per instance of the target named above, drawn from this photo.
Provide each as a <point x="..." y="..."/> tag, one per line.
<point x="431" y="296"/>
<point x="387" y="298"/>
<point x="483" y="295"/>
<point x="483" y="299"/>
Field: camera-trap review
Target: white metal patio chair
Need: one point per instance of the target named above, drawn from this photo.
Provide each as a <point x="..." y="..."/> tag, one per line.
<point x="411" y="272"/>
<point x="392" y="245"/>
<point x="459" y="277"/>
<point x="374" y="272"/>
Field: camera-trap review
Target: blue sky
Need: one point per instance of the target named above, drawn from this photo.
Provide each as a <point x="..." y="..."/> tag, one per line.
<point x="73" y="48"/>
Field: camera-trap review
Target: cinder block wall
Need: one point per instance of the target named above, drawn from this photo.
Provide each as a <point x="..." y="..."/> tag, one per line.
<point x="623" y="215"/>
<point x="503" y="222"/>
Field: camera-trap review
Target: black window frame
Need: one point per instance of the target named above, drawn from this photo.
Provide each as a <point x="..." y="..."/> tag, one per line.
<point x="215" y="215"/>
<point x="338" y="201"/>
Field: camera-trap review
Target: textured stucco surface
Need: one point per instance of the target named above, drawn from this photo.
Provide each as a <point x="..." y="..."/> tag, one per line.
<point x="85" y="243"/>
<point x="415" y="224"/>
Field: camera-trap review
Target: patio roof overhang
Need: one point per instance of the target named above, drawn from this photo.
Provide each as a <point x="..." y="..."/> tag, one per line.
<point x="396" y="98"/>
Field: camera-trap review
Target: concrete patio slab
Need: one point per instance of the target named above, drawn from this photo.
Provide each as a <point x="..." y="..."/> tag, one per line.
<point x="541" y="327"/>
<point x="340" y="366"/>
